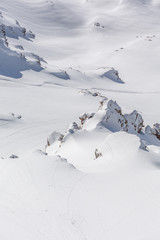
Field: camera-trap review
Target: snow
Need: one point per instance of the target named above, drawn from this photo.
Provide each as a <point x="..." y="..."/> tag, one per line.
<point x="79" y="120"/>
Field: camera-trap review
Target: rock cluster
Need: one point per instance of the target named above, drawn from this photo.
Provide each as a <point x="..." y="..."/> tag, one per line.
<point x="131" y="123"/>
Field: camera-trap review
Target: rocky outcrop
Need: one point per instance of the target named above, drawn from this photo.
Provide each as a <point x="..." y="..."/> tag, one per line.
<point x="134" y="122"/>
<point x="95" y="126"/>
<point x="117" y="121"/>
<point x="155" y="131"/>
<point x="86" y="116"/>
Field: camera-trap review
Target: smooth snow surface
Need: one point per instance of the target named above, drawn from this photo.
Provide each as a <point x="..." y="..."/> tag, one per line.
<point x="79" y="120"/>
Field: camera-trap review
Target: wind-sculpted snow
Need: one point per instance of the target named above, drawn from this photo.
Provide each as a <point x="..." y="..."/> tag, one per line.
<point x="61" y="63"/>
<point x="112" y="75"/>
<point x="13" y="58"/>
<point x="61" y="74"/>
<point x="15" y="62"/>
<point x="94" y="129"/>
<point x="9" y="119"/>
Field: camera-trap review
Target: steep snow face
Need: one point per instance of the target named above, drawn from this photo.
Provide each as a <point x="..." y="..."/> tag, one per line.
<point x="87" y="35"/>
<point x="13" y="57"/>
<point x="15" y="62"/>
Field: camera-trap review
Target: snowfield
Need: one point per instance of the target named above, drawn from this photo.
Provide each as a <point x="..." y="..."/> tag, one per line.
<point x="79" y="120"/>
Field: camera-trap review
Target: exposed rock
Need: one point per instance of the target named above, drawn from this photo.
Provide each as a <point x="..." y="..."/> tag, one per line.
<point x="20" y="47"/>
<point x="97" y="154"/>
<point x="143" y="146"/>
<point x="97" y="24"/>
<point x="83" y="117"/>
<point x="153" y="131"/>
<point x="111" y="118"/>
<point x="86" y="116"/>
<point x="132" y="122"/>
<point x="53" y="137"/>
<point x="114" y="117"/>
<point x="74" y="126"/>
<point x="13" y="156"/>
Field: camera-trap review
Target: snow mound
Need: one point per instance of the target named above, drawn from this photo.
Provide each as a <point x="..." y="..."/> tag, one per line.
<point x="61" y="74"/>
<point x="95" y="129"/>
<point x="5" y="119"/>
<point x="108" y="134"/>
<point x="113" y="75"/>
<point x="119" y="147"/>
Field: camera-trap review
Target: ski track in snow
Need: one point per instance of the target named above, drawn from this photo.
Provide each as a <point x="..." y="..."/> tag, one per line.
<point x="45" y="197"/>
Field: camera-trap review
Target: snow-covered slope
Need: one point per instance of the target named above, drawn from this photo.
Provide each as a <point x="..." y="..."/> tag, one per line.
<point x="92" y="65"/>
